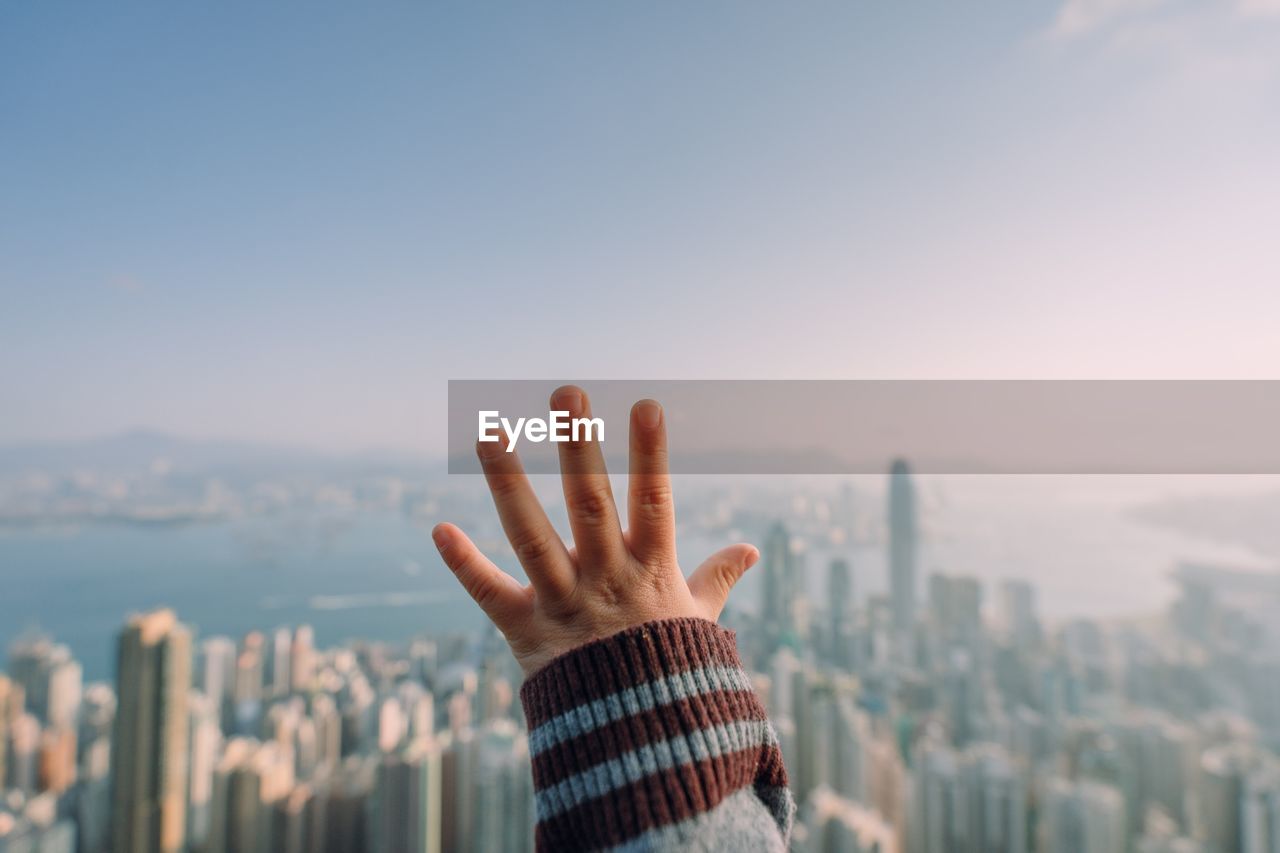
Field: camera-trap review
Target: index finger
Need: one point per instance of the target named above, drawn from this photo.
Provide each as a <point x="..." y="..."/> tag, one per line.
<point x="535" y="541"/>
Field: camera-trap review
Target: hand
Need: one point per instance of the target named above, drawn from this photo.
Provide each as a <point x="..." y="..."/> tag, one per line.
<point x="611" y="580"/>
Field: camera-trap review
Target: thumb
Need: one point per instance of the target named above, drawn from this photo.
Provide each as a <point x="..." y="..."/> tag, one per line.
<point x="710" y="583"/>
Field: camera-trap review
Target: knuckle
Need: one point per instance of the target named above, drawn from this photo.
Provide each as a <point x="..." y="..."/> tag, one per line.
<point x="593" y="507"/>
<point x="614" y="592"/>
<point x="532" y="547"/>
<point x="652" y="501"/>
<point x="485" y="592"/>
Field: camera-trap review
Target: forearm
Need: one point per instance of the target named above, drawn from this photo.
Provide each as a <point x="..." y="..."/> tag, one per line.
<point x="653" y="739"/>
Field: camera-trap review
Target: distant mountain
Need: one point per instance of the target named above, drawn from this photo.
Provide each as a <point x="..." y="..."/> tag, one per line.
<point x="142" y="449"/>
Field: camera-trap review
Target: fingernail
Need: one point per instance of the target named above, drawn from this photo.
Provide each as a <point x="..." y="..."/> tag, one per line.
<point x="569" y="400"/>
<point x="438" y="536"/>
<point x="491" y="449"/>
<point x="648" y="413"/>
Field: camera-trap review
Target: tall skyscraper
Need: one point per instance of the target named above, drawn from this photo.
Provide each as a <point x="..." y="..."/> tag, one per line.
<point x="206" y="742"/>
<point x="778" y="579"/>
<point x="902" y="558"/>
<point x="218" y="675"/>
<point x="405" y="809"/>
<point x="302" y="659"/>
<point x="783" y="588"/>
<point x="11" y="703"/>
<point x="840" y="613"/>
<point x="279" y="656"/>
<point x="149" y="748"/>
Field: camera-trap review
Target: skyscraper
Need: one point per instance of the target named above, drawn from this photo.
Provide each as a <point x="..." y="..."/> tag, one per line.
<point x="149" y="749"/>
<point x="1082" y="817"/>
<point x="968" y="802"/>
<point x="955" y="613"/>
<point x="902" y="558"/>
<point x="11" y="702"/>
<point x="218" y="675"/>
<point x="279" y="656"/>
<point x="302" y="659"/>
<point x="405" y="809"/>
<point x="51" y="678"/>
<point x="783" y="588"/>
<point x="840" y="604"/>
<point x="840" y="825"/>
<point x="250" y="781"/>
<point x="1018" y="611"/>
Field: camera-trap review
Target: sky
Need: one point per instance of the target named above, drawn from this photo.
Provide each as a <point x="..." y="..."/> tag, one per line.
<point x="295" y="222"/>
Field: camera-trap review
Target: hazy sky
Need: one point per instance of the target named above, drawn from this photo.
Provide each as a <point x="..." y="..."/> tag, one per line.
<point x="294" y="224"/>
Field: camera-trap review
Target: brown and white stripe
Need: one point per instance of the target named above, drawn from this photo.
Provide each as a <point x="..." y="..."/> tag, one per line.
<point x="638" y="738"/>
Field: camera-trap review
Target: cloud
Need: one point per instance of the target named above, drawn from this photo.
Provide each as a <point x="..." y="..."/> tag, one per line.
<point x="1077" y="17"/>
<point x="1219" y="48"/>
<point x="1258" y="8"/>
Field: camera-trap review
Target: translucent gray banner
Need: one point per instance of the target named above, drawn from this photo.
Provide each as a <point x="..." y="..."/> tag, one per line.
<point x="857" y="426"/>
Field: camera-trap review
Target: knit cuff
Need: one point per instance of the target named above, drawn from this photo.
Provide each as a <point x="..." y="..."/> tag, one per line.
<point x="644" y="730"/>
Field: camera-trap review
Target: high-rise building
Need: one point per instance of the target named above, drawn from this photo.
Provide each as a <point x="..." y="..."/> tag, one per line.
<point x="297" y="822"/>
<point x="24" y="753"/>
<point x="955" y="614"/>
<point x="206" y="741"/>
<point x="902" y="558"/>
<point x="1260" y="811"/>
<point x="36" y="827"/>
<point x="279" y="656"/>
<point x="11" y="704"/>
<point x="1160" y="758"/>
<point x="56" y="765"/>
<point x="1224" y="771"/>
<point x="970" y="802"/>
<point x="783" y="589"/>
<point x="149" y="747"/>
<point x="246" y="692"/>
<point x="51" y="679"/>
<point x="504" y="786"/>
<point x="840" y="613"/>
<point x="93" y="797"/>
<point x="1018" y="613"/>
<point x="836" y="824"/>
<point x="405" y="809"/>
<point x="251" y="779"/>
<point x="302" y="659"/>
<point x="850" y="748"/>
<point x="1082" y="817"/>
<point x="217" y="676"/>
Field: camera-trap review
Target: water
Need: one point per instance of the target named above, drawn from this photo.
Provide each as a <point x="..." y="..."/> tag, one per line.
<point x="377" y="575"/>
<point x="369" y="576"/>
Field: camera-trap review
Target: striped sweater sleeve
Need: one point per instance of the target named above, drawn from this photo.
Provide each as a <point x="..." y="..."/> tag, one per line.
<point x="653" y="739"/>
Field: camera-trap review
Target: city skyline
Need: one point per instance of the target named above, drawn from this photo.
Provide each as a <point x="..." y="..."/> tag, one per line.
<point x="272" y="743"/>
